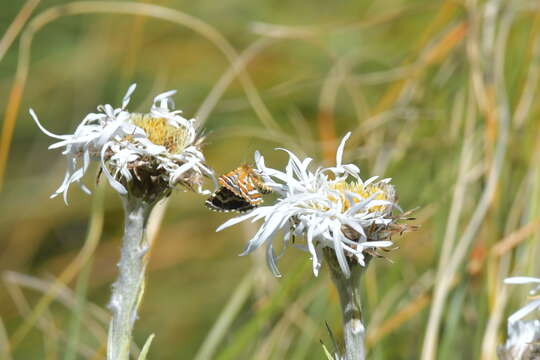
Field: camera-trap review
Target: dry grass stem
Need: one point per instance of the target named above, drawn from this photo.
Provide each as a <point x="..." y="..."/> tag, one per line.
<point x="458" y="254"/>
<point x="94" y="233"/>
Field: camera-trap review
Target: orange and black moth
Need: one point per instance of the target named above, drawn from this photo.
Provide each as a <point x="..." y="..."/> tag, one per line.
<point x="240" y="190"/>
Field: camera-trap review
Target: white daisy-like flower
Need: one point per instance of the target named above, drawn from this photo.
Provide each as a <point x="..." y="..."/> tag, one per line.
<point x="523" y="340"/>
<point x="146" y="154"/>
<point x="331" y="207"/>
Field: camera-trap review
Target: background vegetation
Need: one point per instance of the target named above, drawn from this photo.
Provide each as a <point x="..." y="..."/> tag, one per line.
<point x="440" y="96"/>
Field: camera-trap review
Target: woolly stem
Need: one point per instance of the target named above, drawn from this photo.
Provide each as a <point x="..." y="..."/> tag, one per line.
<point x="348" y="289"/>
<point x="128" y="289"/>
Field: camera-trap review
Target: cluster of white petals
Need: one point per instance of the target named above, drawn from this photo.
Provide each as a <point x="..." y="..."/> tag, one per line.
<point x="316" y="206"/>
<point x="523" y="335"/>
<point x="111" y="137"/>
<point x="532" y="305"/>
<point x="522" y="341"/>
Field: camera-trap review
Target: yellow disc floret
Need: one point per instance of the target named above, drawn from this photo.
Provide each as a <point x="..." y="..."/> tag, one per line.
<point x="160" y="132"/>
<point x="364" y="192"/>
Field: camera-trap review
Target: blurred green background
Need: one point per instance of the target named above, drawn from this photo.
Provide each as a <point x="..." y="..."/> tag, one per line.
<point x="440" y="95"/>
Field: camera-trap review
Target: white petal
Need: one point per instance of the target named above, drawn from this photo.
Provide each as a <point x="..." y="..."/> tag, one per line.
<point x="163" y="99"/>
<point x="521" y="280"/>
<point x="370" y="180"/>
<point x="271" y="260"/>
<point x="182" y="169"/>
<point x="376" y="243"/>
<point x="374" y="203"/>
<point x="265" y="233"/>
<point x="236" y="220"/>
<point x="127" y="96"/>
<point x="360" y="205"/>
<point x="294" y="164"/>
<point x="339" y="153"/>
<point x="338" y="249"/>
<point x="115" y="184"/>
<point x="351" y="169"/>
<point x="85" y="189"/>
<point x="108" y="109"/>
<point x="313" y="251"/>
<point x="356" y="227"/>
<point x="305" y="164"/>
<point x="47" y="132"/>
<point x="524" y="311"/>
<point x="318" y="260"/>
<point x="259" y="159"/>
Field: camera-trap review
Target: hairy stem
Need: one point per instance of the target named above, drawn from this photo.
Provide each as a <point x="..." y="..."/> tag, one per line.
<point x="348" y="289"/>
<point x="129" y="287"/>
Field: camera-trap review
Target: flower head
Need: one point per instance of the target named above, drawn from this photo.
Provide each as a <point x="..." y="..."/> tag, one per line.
<point x="144" y="154"/>
<point x="523" y="340"/>
<point x="332" y="207"/>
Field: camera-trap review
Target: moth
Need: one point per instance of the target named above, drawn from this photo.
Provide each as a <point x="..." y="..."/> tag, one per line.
<point x="240" y="190"/>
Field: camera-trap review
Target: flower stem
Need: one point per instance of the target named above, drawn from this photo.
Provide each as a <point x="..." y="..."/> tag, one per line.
<point x="128" y="289"/>
<point x="351" y="307"/>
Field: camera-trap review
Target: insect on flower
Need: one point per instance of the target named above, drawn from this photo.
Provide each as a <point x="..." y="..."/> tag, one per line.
<point x="331" y="208"/>
<point x="240" y="190"/>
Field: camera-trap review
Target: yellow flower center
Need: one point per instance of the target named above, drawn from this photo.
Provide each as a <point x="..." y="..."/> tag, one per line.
<point x="363" y="191"/>
<point x="159" y="132"/>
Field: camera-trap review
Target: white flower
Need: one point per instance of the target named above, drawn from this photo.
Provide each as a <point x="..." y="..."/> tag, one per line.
<point x="158" y="150"/>
<point x="523" y="341"/>
<point x="331" y="207"/>
<point x="523" y="336"/>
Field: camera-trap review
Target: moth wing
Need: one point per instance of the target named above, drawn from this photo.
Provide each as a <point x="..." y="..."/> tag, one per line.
<point x="225" y="200"/>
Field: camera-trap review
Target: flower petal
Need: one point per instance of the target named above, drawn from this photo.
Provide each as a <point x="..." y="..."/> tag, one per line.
<point x="271" y="260"/>
<point x="339" y="153"/>
<point x="524" y="311"/>
<point x="45" y="131"/>
<point x="127" y="96"/>
<point x="236" y="220"/>
<point x="522" y="280"/>
<point x="112" y="181"/>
